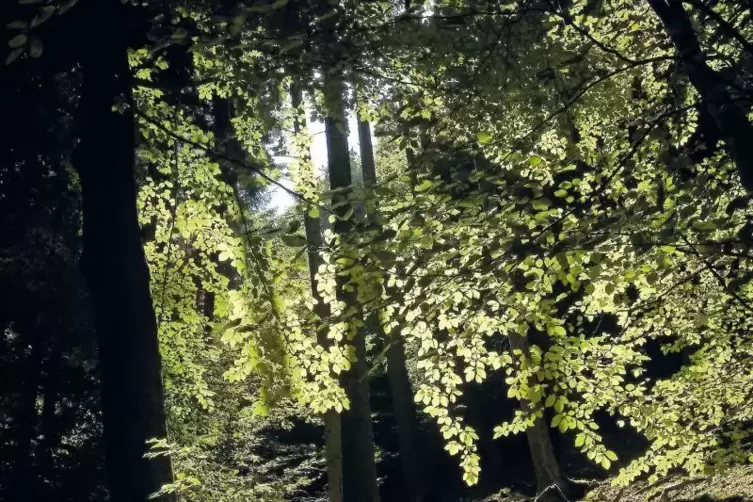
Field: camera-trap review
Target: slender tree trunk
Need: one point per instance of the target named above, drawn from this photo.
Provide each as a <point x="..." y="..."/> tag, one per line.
<point x="49" y="423"/>
<point x="115" y="267"/>
<point x="359" y="467"/>
<point x="26" y="417"/>
<point x="551" y="484"/>
<point x="731" y="121"/>
<point x="404" y="410"/>
<point x="205" y="305"/>
<point x="332" y="426"/>
<point x="410" y="157"/>
<point x="368" y="164"/>
<point x="397" y="372"/>
<point x="491" y="461"/>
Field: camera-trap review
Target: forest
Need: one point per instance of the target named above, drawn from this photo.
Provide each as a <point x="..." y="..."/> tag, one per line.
<point x="376" y="250"/>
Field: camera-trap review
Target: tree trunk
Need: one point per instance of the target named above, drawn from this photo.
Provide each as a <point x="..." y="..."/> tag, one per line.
<point x="491" y="461"/>
<point x="359" y="467"/>
<point x="368" y="164"/>
<point x="550" y="483"/>
<point x="115" y="267"/>
<point x="731" y="121"/>
<point x="26" y="416"/>
<point x="332" y="426"/>
<point x="49" y="427"/>
<point x="403" y="406"/>
<point x="407" y="422"/>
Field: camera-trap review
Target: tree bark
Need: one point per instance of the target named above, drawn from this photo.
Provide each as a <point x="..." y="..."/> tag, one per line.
<point x="114" y="264"/>
<point x="368" y="164"/>
<point x="401" y="391"/>
<point x="407" y="421"/>
<point x="359" y="467"/>
<point x="48" y="426"/>
<point x="491" y="461"/>
<point x="26" y="418"/>
<point x="731" y="121"/>
<point x="550" y="483"/>
<point x="332" y="425"/>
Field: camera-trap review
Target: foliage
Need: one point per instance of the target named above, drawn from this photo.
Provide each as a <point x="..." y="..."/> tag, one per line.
<point x="548" y="173"/>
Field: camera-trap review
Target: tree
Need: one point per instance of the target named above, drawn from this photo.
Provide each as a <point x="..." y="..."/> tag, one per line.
<point x="312" y="225"/>
<point x="732" y="122"/>
<point x="114" y="264"/>
<point x="551" y="484"/>
<point x="397" y="371"/>
<point x="565" y="225"/>
<point x="359" y="468"/>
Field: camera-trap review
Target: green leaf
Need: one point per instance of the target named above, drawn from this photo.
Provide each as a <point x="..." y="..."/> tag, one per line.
<point x="18" y="41"/>
<point x="542" y="204"/>
<point x="386" y="257"/>
<point x="579" y="440"/>
<point x="280" y="303"/>
<point x="45" y="13"/>
<point x="611" y="456"/>
<point x="704" y="226"/>
<point x="314" y="212"/>
<point x="556" y="420"/>
<point x="294" y="240"/>
<point x="557" y="331"/>
<point x="424" y="186"/>
<point x="605" y="463"/>
<point x="179" y="35"/>
<point x="559" y="405"/>
<point x="66" y="7"/>
<point x="484" y="137"/>
<point x="260" y="409"/>
<point x="452" y="447"/>
<point x="348" y="215"/>
<point x="17" y="25"/>
<point x="35" y="47"/>
<point x="294" y="226"/>
<point x="13" y="55"/>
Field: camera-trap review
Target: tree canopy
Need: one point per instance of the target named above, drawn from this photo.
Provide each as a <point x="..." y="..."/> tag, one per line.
<point x="529" y="219"/>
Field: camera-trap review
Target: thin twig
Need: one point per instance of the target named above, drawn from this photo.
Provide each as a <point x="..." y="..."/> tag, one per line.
<point x="551" y="488"/>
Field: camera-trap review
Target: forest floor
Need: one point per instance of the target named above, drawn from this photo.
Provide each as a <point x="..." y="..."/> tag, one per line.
<point x="736" y="485"/>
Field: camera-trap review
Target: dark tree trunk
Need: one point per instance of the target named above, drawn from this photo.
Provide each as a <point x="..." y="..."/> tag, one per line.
<point x="332" y="425"/>
<point x="491" y="461"/>
<point x="551" y="485"/>
<point x="359" y="467"/>
<point x="205" y="305"/>
<point x="48" y="426"/>
<point x="397" y="372"/>
<point x="26" y="416"/>
<point x="404" y="409"/>
<point x="732" y="122"/>
<point x="114" y="264"/>
<point x="368" y="164"/>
